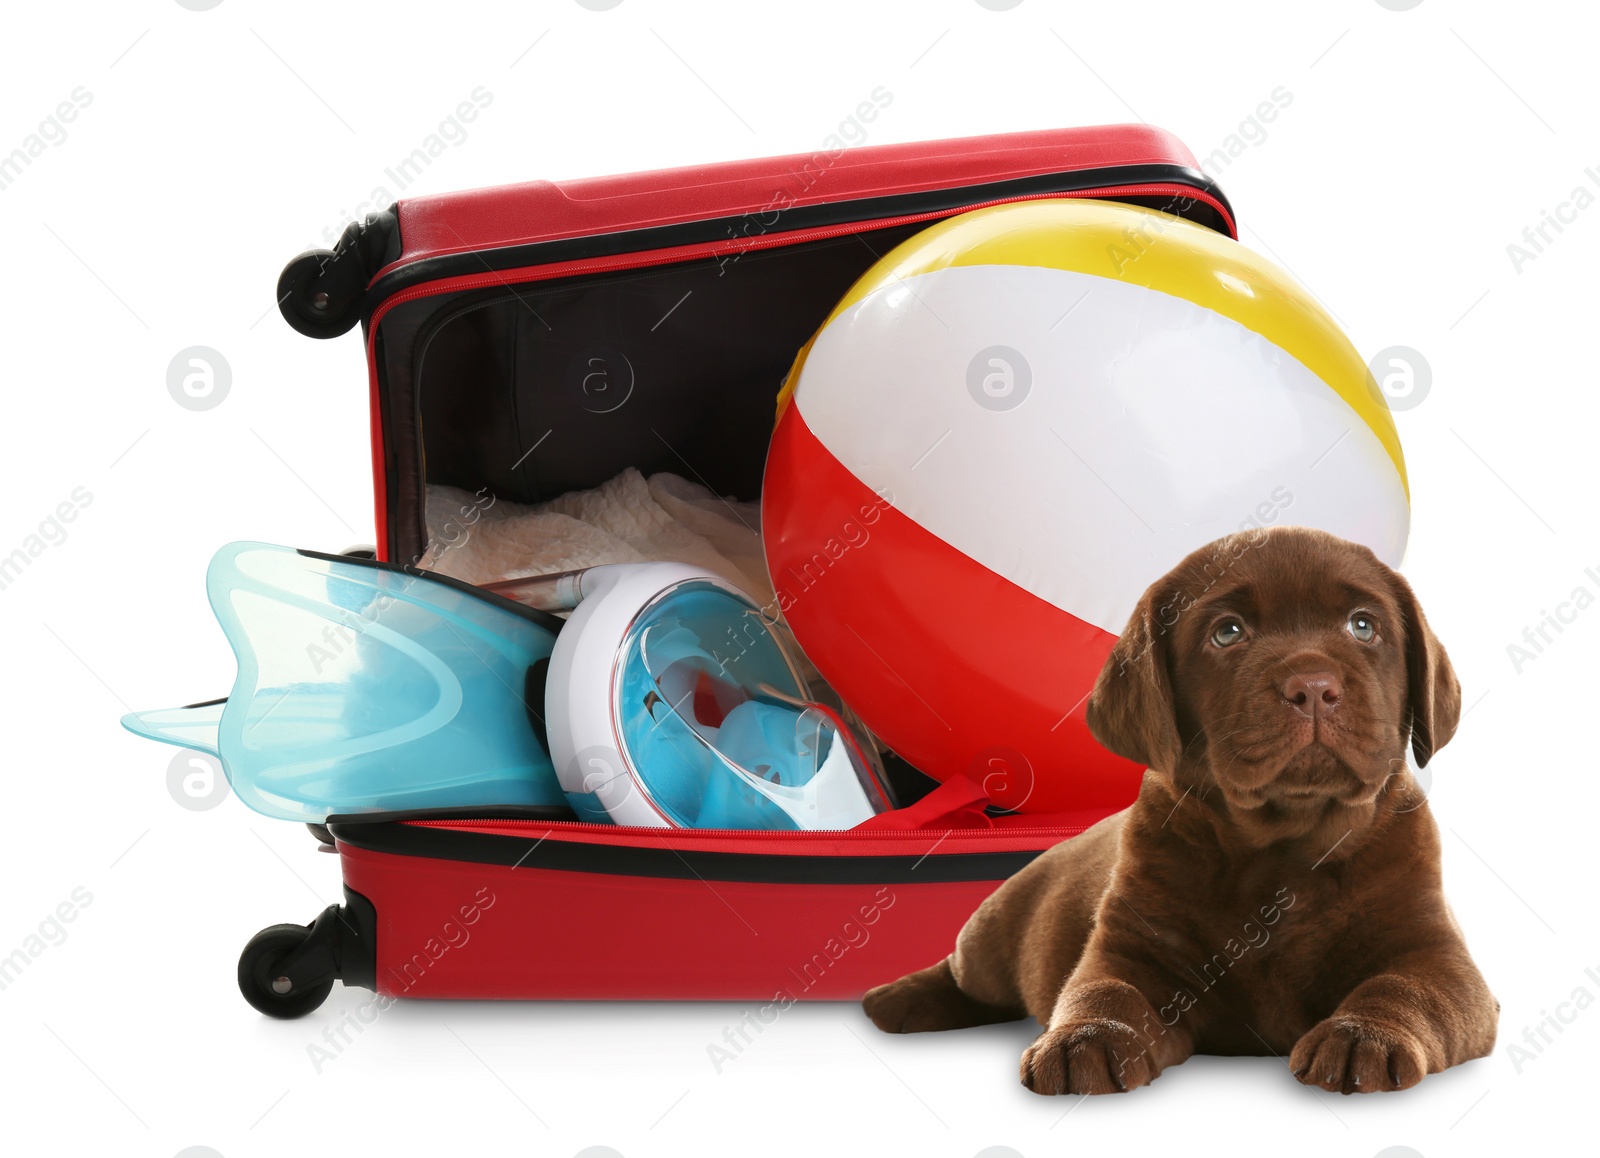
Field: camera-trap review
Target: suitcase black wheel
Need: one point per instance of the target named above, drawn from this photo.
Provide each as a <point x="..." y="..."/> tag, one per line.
<point x="288" y="970"/>
<point x="320" y="295"/>
<point x="321" y="292"/>
<point x="268" y="981"/>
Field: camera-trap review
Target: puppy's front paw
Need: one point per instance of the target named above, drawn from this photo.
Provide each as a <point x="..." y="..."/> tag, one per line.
<point x="1088" y="1057"/>
<point x="1354" y="1055"/>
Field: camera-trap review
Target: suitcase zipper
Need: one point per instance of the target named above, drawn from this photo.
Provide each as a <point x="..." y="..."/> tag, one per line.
<point x="585" y="827"/>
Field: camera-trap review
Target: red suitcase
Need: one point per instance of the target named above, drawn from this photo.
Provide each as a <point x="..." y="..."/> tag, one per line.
<point x="476" y="308"/>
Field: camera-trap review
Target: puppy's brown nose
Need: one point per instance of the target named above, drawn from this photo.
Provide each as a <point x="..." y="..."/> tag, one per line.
<point x="1313" y="694"/>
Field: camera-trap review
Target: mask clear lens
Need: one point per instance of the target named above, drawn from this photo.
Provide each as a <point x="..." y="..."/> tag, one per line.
<point x="718" y="727"/>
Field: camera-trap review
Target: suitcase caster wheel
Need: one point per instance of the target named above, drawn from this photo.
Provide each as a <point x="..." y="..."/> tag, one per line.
<point x="319" y="293"/>
<point x="272" y="972"/>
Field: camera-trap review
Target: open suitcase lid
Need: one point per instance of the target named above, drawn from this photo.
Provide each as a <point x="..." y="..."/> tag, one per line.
<point x="601" y="265"/>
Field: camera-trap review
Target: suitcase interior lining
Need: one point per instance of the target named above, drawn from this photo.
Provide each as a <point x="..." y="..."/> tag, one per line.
<point x="549" y="387"/>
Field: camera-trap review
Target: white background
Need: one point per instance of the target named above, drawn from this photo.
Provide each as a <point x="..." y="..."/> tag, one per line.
<point x="1417" y="146"/>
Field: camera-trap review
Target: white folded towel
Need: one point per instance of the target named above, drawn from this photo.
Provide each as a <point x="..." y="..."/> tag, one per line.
<point x="627" y="520"/>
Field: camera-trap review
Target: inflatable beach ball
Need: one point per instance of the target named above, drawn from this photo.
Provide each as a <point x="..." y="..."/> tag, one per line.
<point x="1014" y="423"/>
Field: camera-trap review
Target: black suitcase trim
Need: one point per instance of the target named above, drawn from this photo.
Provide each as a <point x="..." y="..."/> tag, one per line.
<point x="543" y="852"/>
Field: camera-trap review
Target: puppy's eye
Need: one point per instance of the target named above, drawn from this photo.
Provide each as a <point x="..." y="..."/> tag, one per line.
<point x="1227" y="633"/>
<point x="1363" y="627"/>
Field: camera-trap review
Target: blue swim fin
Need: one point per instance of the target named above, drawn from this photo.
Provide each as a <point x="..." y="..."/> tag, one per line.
<point x="367" y="687"/>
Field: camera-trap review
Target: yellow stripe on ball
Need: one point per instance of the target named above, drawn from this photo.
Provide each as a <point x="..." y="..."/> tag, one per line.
<point x="1148" y="248"/>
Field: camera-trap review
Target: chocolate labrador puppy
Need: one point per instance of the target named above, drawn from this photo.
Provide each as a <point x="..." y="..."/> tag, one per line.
<point x="1275" y="887"/>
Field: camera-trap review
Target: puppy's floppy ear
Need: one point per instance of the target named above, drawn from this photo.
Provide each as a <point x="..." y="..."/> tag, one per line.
<point x="1131" y="709"/>
<point x="1433" y="693"/>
